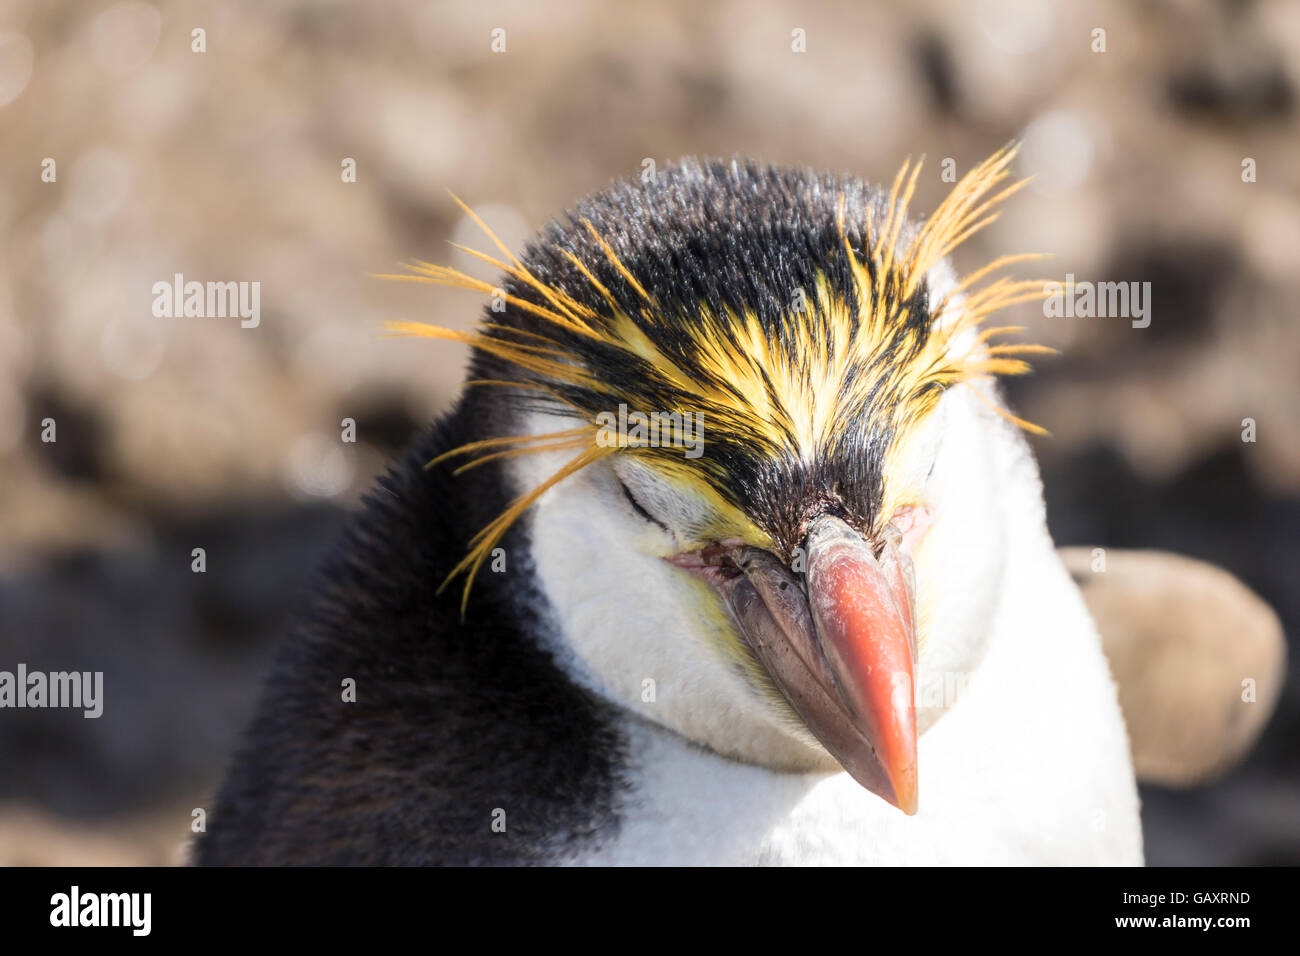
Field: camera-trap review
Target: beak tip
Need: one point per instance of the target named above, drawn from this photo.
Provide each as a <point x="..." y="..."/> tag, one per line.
<point x="903" y="790"/>
<point x="903" y="775"/>
<point x="907" y="800"/>
<point x="896" y="786"/>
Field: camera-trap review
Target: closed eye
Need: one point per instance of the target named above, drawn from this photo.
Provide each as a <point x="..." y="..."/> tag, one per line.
<point x="636" y="506"/>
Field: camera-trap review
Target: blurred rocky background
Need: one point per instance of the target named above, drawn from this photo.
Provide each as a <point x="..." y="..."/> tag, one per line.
<point x="180" y="433"/>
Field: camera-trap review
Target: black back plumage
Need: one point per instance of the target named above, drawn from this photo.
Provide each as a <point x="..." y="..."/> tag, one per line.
<point x="453" y="719"/>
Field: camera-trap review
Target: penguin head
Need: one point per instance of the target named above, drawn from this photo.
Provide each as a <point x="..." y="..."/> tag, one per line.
<point x="747" y="415"/>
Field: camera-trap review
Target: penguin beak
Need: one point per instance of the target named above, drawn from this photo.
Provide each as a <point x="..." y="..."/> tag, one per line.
<point x="840" y="645"/>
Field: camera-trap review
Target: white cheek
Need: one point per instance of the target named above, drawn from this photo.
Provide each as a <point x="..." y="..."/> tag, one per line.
<point x="635" y="629"/>
<point x="960" y="561"/>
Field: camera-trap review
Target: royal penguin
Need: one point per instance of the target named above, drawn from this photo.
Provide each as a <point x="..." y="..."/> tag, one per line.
<point x="729" y="552"/>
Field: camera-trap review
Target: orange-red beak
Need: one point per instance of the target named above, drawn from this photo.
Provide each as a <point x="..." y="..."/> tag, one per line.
<point x="840" y="645"/>
<point x="863" y="612"/>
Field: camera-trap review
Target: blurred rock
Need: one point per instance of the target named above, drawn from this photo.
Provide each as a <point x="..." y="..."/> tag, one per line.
<point x="1198" y="658"/>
